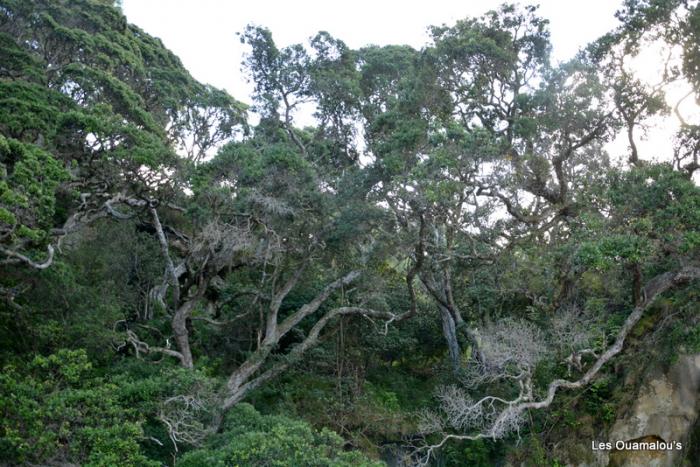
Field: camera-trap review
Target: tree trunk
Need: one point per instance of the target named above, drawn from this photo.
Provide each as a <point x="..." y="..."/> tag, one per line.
<point x="449" y="330"/>
<point x="182" y="335"/>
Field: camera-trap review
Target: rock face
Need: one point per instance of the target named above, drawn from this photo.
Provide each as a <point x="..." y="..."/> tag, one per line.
<point x="665" y="410"/>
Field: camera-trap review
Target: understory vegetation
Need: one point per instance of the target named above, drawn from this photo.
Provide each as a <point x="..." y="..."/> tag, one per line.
<point x="451" y="266"/>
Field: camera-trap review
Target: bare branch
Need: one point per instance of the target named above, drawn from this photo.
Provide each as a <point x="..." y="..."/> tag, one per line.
<point x="493" y="417"/>
<point x="677" y="110"/>
<point x="141" y="347"/>
<point x="169" y="266"/>
<point x="188" y="418"/>
<point x="20" y="258"/>
<point x="237" y="392"/>
<point x="276" y="303"/>
<point x="314" y="304"/>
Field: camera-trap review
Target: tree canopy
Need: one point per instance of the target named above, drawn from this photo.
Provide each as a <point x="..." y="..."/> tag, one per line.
<point x="450" y="247"/>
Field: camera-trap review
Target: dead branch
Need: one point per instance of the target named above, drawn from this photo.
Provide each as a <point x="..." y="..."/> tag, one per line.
<point x="493" y="418"/>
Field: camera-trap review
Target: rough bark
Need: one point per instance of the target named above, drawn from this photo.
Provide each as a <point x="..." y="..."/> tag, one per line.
<point x="238" y="386"/>
<point x="239" y="382"/>
<point x="15" y="257"/>
<point x="513" y="410"/>
<point x="181" y="333"/>
<point x="449" y="331"/>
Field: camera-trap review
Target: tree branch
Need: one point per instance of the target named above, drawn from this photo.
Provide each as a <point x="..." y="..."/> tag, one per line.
<point x="20" y="258"/>
<point x="314" y="304"/>
<point x="511" y="413"/>
<point x="236" y="394"/>
<point x="169" y="266"/>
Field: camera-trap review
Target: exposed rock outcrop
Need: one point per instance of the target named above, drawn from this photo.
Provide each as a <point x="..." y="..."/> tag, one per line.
<point x="665" y="410"/>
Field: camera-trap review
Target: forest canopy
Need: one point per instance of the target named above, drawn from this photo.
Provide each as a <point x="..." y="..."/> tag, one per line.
<point x="451" y="266"/>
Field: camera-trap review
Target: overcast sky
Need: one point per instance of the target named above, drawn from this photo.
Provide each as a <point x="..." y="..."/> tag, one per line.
<point x="203" y="33"/>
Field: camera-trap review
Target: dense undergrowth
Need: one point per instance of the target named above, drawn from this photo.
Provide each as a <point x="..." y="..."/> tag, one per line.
<point x="179" y="286"/>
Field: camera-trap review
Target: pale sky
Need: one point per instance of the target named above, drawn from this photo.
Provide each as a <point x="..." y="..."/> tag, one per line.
<point x="203" y="33"/>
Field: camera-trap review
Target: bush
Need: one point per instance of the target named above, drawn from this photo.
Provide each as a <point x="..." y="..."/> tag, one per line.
<point x="57" y="411"/>
<point x="252" y="439"/>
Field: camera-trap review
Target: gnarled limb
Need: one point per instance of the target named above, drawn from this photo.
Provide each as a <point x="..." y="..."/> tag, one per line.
<point x="508" y="416"/>
<point x="169" y="265"/>
<point x="141" y="347"/>
<point x="186" y="418"/>
<point x="15" y="258"/>
<point x="238" y="388"/>
<point x="239" y="381"/>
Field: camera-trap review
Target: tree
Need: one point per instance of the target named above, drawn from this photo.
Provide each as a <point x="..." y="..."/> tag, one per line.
<point x="262" y="221"/>
<point x="92" y="112"/>
<point x="450" y="222"/>
<point x="670" y="26"/>
<point x="253" y="438"/>
<point x="657" y="197"/>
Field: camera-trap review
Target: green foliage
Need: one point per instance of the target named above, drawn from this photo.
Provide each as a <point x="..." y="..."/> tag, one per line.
<point x="467" y="181"/>
<point x="387" y="400"/>
<point x="598" y="400"/>
<point x="88" y="282"/>
<point x="56" y="408"/>
<point x="28" y="180"/>
<point x="683" y="333"/>
<point x="86" y="100"/>
<point x="250" y="438"/>
<point x="609" y="251"/>
<point x="477" y="454"/>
